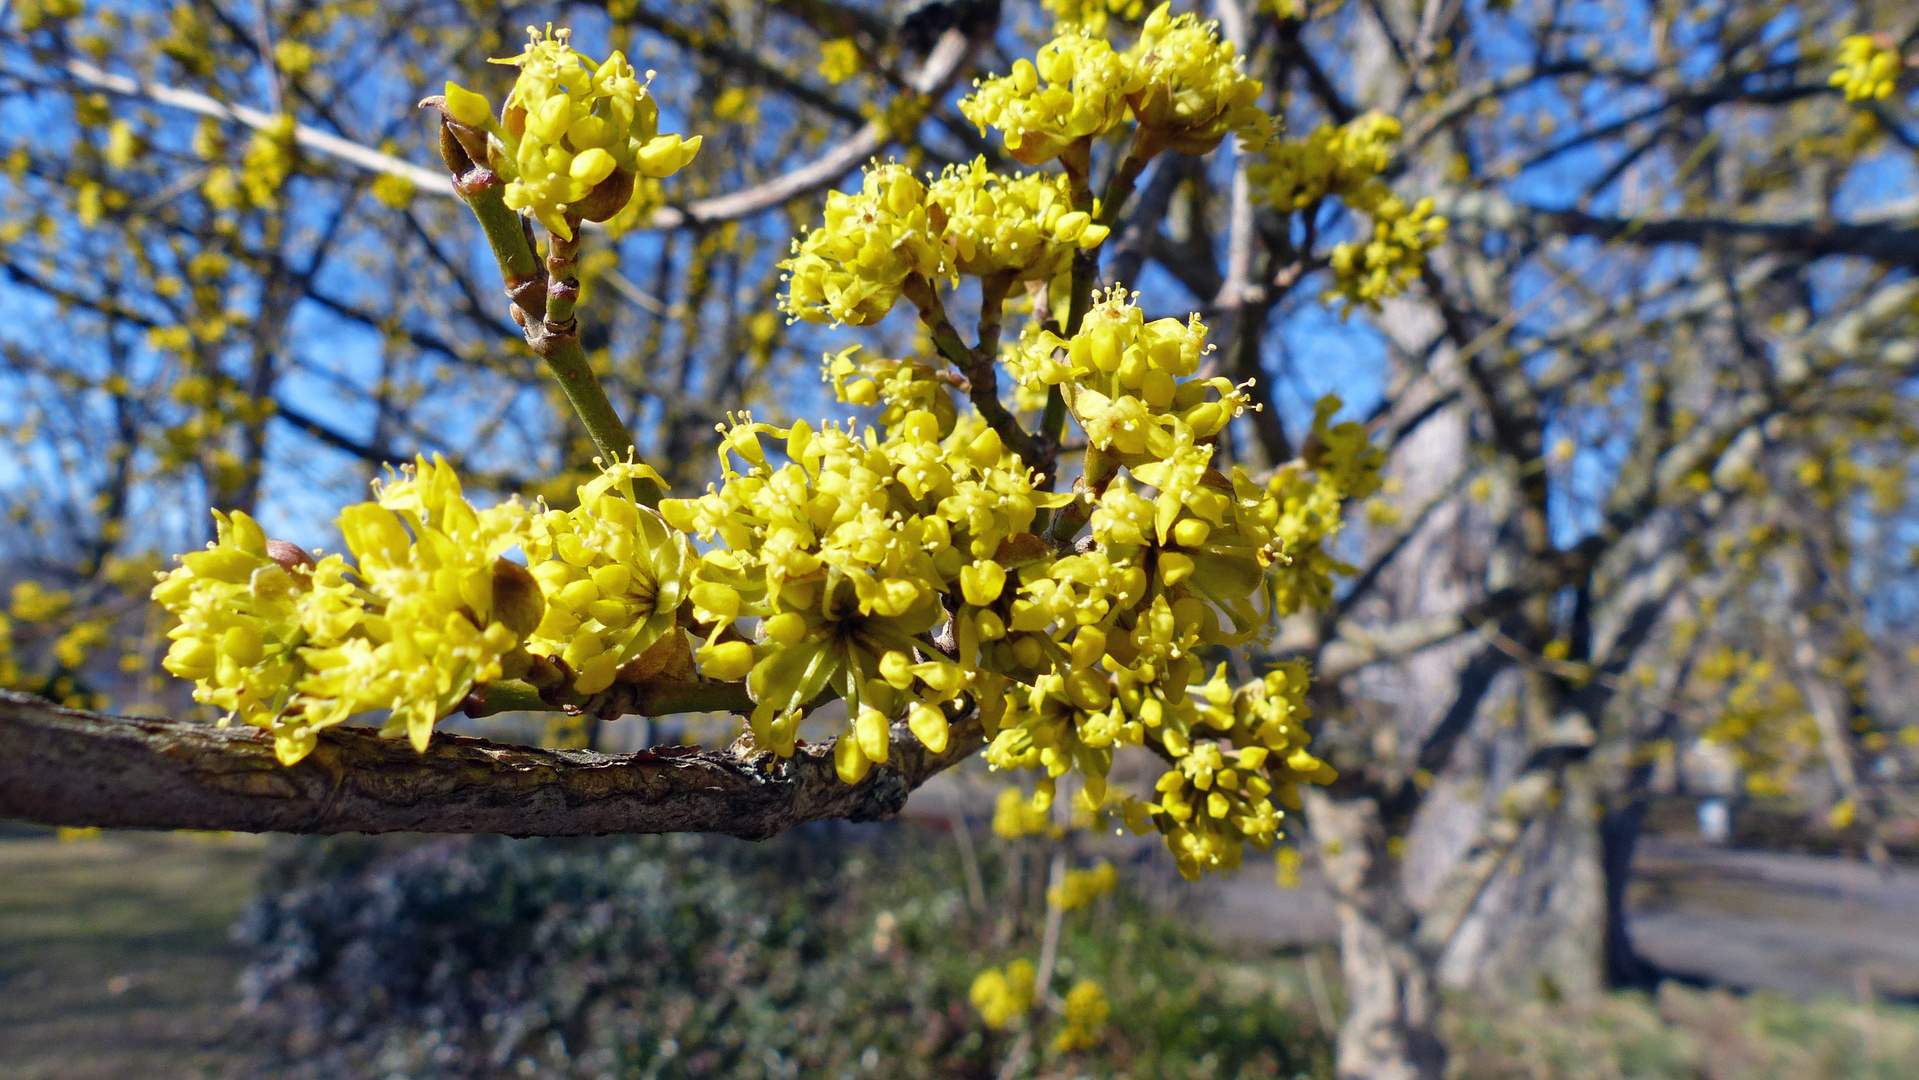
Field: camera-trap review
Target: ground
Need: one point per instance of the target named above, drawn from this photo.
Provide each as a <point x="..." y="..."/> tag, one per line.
<point x="115" y="963"/>
<point x="114" y="960"/>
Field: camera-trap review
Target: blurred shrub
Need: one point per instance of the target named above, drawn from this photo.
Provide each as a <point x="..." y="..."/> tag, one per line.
<point x="831" y="951"/>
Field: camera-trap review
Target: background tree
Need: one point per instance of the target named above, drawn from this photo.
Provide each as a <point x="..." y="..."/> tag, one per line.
<point x="1653" y="374"/>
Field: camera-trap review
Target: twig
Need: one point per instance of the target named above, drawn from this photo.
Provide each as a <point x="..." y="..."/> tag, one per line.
<point x="969" y="863"/>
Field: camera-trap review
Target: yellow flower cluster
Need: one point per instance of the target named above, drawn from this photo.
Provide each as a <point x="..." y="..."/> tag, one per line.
<point x="427" y="609"/>
<point x="575" y="134"/>
<point x="1761" y="716"/>
<point x="427" y="629"/>
<point x="1086" y="1012"/>
<point x="1334" y="160"/>
<point x="1092" y="14"/>
<point x="1075" y="88"/>
<point x="1015" y="817"/>
<point x="1118" y="627"/>
<point x="268" y="162"/>
<point x="242" y="621"/>
<point x="839" y="60"/>
<point x="1024" y="225"/>
<point x="853" y="268"/>
<point x="843" y="553"/>
<point x="1183" y="85"/>
<point x="1082" y="887"/>
<point x="1003" y="998"/>
<point x="1346" y="161"/>
<point x="1192" y="87"/>
<point x="902" y="386"/>
<point x="611" y="576"/>
<point x="1868" y="70"/>
<point x="1393" y="258"/>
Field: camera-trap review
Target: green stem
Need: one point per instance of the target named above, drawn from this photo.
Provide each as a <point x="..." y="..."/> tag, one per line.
<point x="982" y="376"/>
<point x="568" y="363"/>
<point x="485" y="195"/>
<point x="543" y="298"/>
<point x="1100" y="467"/>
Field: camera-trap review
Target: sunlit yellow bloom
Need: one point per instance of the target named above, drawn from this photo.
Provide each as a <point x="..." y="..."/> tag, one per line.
<point x="575" y="134"/>
<point x="1075" y="88"/>
<point x="1003" y="998"/>
<point x="851" y="269"/>
<point x="1086" y="1012"/>
<point x="1190" y="89"/>
<point x="1868" y="70"/>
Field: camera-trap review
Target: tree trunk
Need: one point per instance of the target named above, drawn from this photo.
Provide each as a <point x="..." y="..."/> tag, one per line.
<point x="1619" y="837"/>
<point x="1535" y="926"/>
<point x="1392" y="1008"/>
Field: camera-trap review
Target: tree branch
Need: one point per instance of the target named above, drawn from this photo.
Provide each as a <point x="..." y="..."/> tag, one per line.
<point x="66" y="767"/>
<point x="1882" y="240"/>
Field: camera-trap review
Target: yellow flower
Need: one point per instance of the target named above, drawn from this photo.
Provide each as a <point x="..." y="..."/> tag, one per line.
<point x="1086" y="1012"/>
<point x="852" y="268"/>
<point x="1191" y="90"/>
<point x="1015" y="817"/>
<point x="1868" y="70"/>
<point x="1082" y="887"/>
<point x="839" y="60"/>
<point x="576" y="135"/>
<point x="1076" y="88"/>
<point x="1003" y="998"/>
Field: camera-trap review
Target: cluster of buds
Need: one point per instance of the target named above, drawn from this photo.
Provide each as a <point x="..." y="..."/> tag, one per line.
<point x="575" y="135"/>
<point x="1085" y="1011"/>
<point x="1392" y="257"/>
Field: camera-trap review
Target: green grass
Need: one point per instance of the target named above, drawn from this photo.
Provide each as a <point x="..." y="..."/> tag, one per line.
<point x="1686" y="1034"/>
<point x="114" y="960"/>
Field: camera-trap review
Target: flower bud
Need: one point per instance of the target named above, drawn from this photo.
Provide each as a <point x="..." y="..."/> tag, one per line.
<point x="517" y="601"/>
<point x="849" y="760"/>
<point x="289" y="555"/>
<point x="726" y="661"/>
<point x="592" y="166"/>
<point x="870" y="730"/>
<point x="785" y="629"/>
<point x="929" y="726"/>
<point x="982" y="583"/>
<point x="466" y="106"/>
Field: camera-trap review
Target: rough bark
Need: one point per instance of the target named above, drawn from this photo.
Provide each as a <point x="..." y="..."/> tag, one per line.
<point x="67" y="767"/>
<point x="1390" y="1031"/>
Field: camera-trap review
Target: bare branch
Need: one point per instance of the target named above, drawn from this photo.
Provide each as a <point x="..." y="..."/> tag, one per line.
<point x="431" y="181"/>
